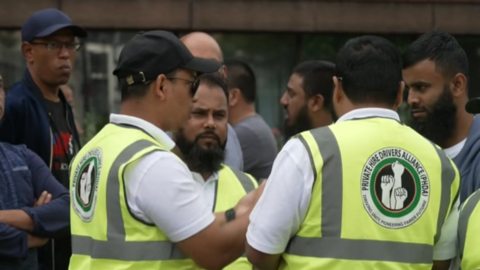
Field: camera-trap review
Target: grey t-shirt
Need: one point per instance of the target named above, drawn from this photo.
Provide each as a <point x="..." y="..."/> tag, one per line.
<point x="233" y="156"/>
<point x="259" y="147"/>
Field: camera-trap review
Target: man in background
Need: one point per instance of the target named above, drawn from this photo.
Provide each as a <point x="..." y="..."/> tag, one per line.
<point x="204" y="46"/>
<point x="435" y="69"/>
<point x="259" y="147"/>
<point x="308" y="98"/>
<point x="202" y="142"/>
<point x="36" y="111"/>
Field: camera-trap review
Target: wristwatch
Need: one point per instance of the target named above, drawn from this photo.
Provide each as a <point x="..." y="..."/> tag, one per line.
<point x="230" y="214"/>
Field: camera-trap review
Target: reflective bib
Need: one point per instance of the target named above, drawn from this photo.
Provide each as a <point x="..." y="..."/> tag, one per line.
<point x="379" y="200"/>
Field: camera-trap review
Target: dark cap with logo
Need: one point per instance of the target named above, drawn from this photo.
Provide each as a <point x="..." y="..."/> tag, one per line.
<point x="46" y="22"/>
<point x="149" y="54"/>
<point x="473" y="106"/>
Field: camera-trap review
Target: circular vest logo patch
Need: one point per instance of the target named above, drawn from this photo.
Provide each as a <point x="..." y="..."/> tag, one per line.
<point x="85" y="184"/>
<point x="395" y="188"/>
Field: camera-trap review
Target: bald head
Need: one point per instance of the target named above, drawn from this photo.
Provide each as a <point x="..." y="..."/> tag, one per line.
<point x="203" y="45"/>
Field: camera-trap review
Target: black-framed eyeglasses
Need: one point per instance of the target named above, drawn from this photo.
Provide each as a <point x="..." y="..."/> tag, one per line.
<point x="193" y="84"/>
<point x="54" y="46"/>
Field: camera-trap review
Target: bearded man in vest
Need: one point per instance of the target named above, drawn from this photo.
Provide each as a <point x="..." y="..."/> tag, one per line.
<point x="134" y="203"/>
<point x="364" y="193"/>
<point x="202" y="142"/>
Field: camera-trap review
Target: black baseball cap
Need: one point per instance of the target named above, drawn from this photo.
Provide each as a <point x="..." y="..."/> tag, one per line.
<point x="473" y="106"/>
<point x="46" y="22"/>
<point x="149" y="54"/>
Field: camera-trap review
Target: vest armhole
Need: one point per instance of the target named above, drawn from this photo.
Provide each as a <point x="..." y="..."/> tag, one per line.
<point x="125" y="195"/>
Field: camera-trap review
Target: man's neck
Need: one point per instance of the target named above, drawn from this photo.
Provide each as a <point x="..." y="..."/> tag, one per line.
<point x="322" y="119"/>
<point x="462" y="129"/>
<point x="50" y="92"/>
<point x="206" y="176"/>
<point x="240" y="112"/>
<point x="140" y="110"/>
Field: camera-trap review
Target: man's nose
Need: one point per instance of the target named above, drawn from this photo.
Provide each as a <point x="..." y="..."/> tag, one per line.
<point x="412" y="98"/>
<point x="210" y="122"/>
<point x="284" y="99"/>
<point x="64" y="53"/>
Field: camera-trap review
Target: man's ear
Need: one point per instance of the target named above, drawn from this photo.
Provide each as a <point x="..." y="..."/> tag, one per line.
<point x="27" y="51"/>
<point x="399" y="100"/>
<point x="316" y="103"/>
<point x="234" y="96"/>
<point x="160" y="86"/>
<point x="458" y="85"/>
<point x="338" y="93"/>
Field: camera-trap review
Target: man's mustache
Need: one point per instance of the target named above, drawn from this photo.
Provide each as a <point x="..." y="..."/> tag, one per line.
<point x="208" y="133"/>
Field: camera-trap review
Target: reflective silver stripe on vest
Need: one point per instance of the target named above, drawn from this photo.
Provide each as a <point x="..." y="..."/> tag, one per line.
<point x="448" y="177"/>
<point x="246" y="182"/>
<point x="116" y="248"/>
<point x="464" y="218"/>
<point x="330" y="245"/>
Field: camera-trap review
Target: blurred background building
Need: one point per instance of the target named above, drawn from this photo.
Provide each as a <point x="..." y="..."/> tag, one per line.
<point x="271" y="35"/>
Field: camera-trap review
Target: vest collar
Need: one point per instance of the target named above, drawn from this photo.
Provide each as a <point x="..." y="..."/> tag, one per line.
<point x="158" y="134"/>
<point x="369" y="112"/>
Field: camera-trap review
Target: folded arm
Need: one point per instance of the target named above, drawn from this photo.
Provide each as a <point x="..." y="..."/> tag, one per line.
<point x="13" y="242"/>
<point x="47" y="220"/>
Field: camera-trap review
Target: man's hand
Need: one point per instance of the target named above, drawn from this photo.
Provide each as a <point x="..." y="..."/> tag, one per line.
<point x="35" y="242"/>
<point x="246" y="204"/>
<point x="45" y="198"/>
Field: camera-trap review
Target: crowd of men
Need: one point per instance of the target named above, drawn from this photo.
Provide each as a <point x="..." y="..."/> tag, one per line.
<point x="187" y="176"/>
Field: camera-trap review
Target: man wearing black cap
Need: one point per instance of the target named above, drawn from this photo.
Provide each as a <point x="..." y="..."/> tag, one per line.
<point x="36" y="112"/>
<point x="135" y="204"/>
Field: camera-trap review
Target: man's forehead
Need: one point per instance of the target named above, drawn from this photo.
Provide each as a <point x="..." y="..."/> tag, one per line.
<point x="210" y="96"/>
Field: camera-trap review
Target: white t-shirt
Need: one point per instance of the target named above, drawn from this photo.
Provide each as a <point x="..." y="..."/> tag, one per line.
<point x="208" y="187"/>
<point x="453" y="151"/>
<point x="160" y="188"/>
<point x="281" y="209"/>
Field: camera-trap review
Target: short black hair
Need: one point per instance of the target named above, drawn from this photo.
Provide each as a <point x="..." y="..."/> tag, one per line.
<point x="370" y="70"/>
<point x="215" y="79"/>
<point x="137" y="91"/>
<point x="317" y="79"/>
<point x="441" y="48"/>
<point x="240" y="75"/>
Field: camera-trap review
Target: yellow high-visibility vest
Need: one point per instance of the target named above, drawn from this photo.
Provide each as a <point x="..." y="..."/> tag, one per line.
<point x="232" y="185"/>
<point x="104" y="233"/>
<point x="468" y="233"/>
<point x="379" y="200"/>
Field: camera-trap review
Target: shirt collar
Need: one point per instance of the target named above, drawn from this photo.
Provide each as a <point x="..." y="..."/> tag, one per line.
<point x="369" y="112"/>
<point x="158" y="134"/>
<point x="199" y="177"/>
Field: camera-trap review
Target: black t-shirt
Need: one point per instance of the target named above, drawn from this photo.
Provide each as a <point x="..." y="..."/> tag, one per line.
<point x="64" y="147"/>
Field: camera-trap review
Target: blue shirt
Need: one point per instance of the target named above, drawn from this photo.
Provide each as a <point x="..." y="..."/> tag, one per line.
<point x="23" y="177"/>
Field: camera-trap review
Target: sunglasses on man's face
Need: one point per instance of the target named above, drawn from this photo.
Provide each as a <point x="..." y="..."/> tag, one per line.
<point x="193" y="84"/>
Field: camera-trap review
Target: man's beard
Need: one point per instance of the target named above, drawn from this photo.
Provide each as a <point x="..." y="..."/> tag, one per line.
<point x="301" y="123"/>
<point x="199" y="159"/>
<point x="440" y="122"/>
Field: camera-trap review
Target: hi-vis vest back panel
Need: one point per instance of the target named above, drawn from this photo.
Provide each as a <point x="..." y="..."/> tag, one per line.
<point x="380" y="198"/>
<point x="469" y="233"/>
<point x="232" y="185"/>
<point x="104" y="233"/>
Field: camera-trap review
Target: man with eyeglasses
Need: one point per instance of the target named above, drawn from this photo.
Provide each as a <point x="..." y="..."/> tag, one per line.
<point x="36" y="111"/>
<point x="135" y="204"/>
